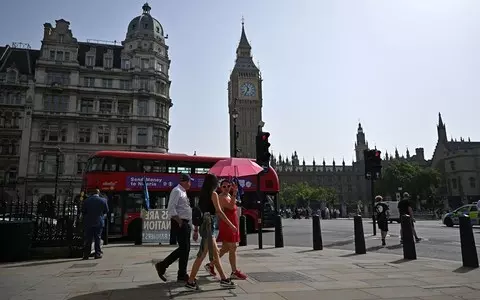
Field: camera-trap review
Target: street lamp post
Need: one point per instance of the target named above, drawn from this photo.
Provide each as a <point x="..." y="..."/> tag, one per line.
<point x="57" y="171"/>
<point x="235" y="133"/>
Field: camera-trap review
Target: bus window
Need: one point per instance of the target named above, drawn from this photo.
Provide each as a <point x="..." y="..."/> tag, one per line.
<point x="201" y="170"/>
<point x="154" y="166"/>
<point x="95" y="164"/>
<point x="129" y="165"/>
<point x="110" y="164"/>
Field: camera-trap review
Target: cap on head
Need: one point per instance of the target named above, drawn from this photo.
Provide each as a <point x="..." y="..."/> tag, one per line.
<point x="97" y="191"/>
<point x="378" y="198"/>
<point x="406" y="195"/>
<point x="185" y="177"/>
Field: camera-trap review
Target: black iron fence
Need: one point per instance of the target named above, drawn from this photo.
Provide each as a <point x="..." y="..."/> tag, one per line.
<point x="48" y="223"/>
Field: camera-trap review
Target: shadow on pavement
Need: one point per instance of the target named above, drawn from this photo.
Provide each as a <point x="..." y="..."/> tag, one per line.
<point x="307" y="251"/>
<point x="339" y="243"/>
<point x="401" y="261"/>
<point x="463" y="270"/>
<point x="157" y="291"/>
<point x="42" y="263"/>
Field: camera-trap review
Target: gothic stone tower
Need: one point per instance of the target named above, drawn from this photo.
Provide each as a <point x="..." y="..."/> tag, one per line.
<point x="361" y="143"/>
<point x="245" y="95"/>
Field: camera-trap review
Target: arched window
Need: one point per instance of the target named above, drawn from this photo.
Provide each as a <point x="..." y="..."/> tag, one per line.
<point x="473" y="183"/>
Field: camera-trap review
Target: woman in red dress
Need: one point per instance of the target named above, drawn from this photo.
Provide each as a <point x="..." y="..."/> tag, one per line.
<point x="226" y="235"/>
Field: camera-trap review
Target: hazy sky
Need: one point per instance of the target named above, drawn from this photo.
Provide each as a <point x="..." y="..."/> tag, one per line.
<point x="393" y="65"/>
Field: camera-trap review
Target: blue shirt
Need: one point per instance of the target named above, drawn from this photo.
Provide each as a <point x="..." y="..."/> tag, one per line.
<point x="94" y="208"/>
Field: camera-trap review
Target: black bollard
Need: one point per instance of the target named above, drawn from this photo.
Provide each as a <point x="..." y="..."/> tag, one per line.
<point x="173" y="236"/>
<point x="139" y="233"/>
<point x="317" y="233"/>
<point x="409" y="251"/>
<point x="360" y="247"/>
<point x="243" y="231"/>
<point x="278" y="232"/>
<point x="467" y="242"/>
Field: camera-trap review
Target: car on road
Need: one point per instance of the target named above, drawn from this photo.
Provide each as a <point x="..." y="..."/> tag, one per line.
<point x="452" y="218"/>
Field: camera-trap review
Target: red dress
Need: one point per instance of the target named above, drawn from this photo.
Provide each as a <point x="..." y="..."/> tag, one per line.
<point x="225" y="233"/>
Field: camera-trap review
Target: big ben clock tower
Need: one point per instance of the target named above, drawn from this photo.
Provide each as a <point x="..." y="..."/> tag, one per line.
<point x="245" y="97"/>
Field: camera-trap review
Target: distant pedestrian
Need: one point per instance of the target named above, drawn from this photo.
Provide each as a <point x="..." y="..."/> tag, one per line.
<point x="405" y="208"/>
<point x="94" y="210"/>
<point x="180" y="212"/>
<point x="382" y="213"/>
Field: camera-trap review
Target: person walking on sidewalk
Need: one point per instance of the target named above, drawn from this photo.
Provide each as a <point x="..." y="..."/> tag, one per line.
<point x="382" y="212"/>
<point x="405" y="208"/>
<point x="209" y="206"/>
<point x="180" y="212"/>
<point x="94" y="210"/>
<point x="226" y="235"/>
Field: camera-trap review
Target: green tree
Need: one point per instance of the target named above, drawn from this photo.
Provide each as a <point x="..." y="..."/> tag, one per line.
<point x="416" y="180"/>
<point x="304" y="194"/>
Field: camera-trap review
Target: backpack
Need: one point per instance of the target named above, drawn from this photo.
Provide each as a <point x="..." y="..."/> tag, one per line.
<point x="197" y="216"/>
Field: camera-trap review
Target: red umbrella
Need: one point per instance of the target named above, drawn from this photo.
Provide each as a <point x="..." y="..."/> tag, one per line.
<point x="235" y="167"/>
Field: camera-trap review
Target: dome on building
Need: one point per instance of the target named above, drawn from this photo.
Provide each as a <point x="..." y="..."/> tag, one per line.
<point x="145" y="25"/>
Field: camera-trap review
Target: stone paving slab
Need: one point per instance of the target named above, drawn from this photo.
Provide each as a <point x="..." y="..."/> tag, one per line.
<point x="126" y="272"/>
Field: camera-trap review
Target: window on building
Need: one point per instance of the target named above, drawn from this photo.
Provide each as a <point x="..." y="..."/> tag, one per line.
<point x="52" y="55"/>
<point x="106" y="106"/>
<point x="142" y="107"/>
<point x="103" y="132"/>
<point x="86" y="106"/>
<point x="156" y="137"/>
<point x="144" y="84"/>
<point x="12" y="76"/>
<point x="47" y="164"/>
<point x="108" y="62"/>
<point x="67" y="56"/>
<point x="9" y="147"/>
<point x="145" y="63"/>
<point x="61" y="38"/>
<point x="58" y="78"/>
<point x="158" y="66"/>
<point x="59" y="56"/>
<point x="11" y="176"/>
<point x="56" y="103"/>
<point x="89" y="82"/>
<point x="122" y="135"/>
<point x="16" y="120"/>
<point x="53" y="133"/>
<point x="107" y="83"/>
<point x="472" y="182"/>
<point x="141" y="136"/>
<point x="90" y="61"/>
<point x="123" y="108"/>
<point x="125" y="85"/>
<point x="159" y="110"/>
<point x="81" y="163"/>
<point x="454" y="184"/>
<point x="452" y="165"/>
<point x="84" y="134"/>
<point x="125" y="64"/>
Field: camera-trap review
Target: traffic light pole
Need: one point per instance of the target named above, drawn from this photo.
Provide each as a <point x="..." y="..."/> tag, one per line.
<point x="260" y="212"/>
<point x="372" y="192"/>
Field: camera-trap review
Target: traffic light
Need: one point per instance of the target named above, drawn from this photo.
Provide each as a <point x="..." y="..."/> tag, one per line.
<point x="373" y="164"/>
<point x="263" y="151"/>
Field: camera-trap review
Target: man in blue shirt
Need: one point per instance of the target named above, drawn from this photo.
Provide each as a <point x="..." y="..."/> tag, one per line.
<point x="94" y="209"/>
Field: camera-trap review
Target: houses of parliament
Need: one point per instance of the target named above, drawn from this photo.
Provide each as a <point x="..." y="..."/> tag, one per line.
<point x="457" y="161"/>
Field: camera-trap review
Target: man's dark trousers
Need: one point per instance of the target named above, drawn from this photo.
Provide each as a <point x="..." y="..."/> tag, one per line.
<point x="183" y="251"/>
<point x="92" y="234"/>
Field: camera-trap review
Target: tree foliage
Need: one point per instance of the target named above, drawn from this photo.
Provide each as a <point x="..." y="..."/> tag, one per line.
<point x="412" y="178"/>
<point x="303" y="194"/>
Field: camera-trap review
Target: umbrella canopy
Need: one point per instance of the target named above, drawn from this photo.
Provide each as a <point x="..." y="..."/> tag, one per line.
<point x="235" y="167"/>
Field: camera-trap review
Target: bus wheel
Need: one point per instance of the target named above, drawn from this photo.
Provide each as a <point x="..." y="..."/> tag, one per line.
<point x="250" y="225"/>
<point x="134" y="229"/>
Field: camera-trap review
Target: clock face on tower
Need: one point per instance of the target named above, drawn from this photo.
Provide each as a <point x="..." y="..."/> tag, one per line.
<point x="248" y="89"/>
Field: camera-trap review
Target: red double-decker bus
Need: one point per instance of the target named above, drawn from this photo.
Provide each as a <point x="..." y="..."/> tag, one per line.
<point x="119" y="175"/>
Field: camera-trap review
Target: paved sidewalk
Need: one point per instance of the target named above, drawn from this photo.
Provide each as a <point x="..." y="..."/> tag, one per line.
<point x="126" y="272"/>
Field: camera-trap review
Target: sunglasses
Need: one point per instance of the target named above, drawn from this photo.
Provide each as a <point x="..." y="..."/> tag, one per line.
<point x="226" y="186"/>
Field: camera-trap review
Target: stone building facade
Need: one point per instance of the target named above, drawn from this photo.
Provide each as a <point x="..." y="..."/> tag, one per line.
<point x="459" y="163"/>
<point x="90" y="96"/>
<point x="245" y="97"/>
